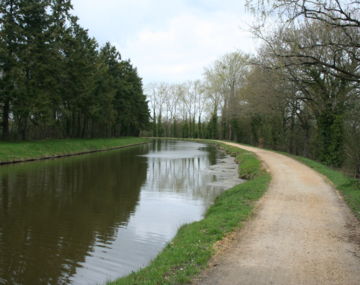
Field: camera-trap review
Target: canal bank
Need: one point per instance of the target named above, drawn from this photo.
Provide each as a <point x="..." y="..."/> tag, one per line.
<point x="16" y="152"/>
<point x="103" y="215"/>
<point x="189" y="252"/>
<point x="186" y="255"/>
<point x="303" y="233"/>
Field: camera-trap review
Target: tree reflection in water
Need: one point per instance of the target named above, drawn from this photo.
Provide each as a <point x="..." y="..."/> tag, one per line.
<point x="87" y="219"/>
<point x="53" y="212"/>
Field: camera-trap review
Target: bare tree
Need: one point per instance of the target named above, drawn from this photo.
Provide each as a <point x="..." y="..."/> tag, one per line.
<point x="326" y="91"/>
<point x="340" y="18"/>
<point x="225" y="77"/>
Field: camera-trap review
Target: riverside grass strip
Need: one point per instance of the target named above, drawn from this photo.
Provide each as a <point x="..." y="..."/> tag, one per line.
<point x="14" y="152"/>
<point x="193" y="246"/>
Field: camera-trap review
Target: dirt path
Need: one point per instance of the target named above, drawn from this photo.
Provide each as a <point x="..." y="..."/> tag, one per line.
<point x="302" y="233"/>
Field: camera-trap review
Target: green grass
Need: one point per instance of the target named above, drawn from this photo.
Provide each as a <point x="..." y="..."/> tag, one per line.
<point x="349" y="187"/>
<point x="189" y="252"/>
<point x="14" y="151"/>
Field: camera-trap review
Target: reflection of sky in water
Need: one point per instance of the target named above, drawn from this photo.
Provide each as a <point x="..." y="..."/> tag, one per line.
<point x="180" y="185"/>
<point x="141" y="240"/>
<point x="92" y="218"/>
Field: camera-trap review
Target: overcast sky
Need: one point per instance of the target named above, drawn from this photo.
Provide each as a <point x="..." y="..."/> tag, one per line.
<point x="168" y="40"/>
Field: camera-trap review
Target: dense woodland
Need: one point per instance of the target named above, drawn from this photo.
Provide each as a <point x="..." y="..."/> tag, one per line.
<point x="299" y="94"/>
<point x="55" y="80"/>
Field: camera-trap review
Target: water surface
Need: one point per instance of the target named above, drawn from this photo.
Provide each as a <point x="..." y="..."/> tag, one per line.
<point x="93" y="218"/>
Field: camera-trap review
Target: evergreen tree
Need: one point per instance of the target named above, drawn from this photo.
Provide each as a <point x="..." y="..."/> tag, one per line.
<point x="9" y="69"/>
<point x="55" y="82"/>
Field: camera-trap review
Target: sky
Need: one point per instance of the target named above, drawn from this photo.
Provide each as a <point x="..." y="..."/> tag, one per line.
<point x="169" y="40"/>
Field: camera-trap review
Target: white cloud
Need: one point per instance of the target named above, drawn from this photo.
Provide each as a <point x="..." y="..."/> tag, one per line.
<point x="185" y="46"/>
<point x="169" y="40"/>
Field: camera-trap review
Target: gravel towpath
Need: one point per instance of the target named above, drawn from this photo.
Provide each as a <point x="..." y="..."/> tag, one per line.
<point x="302" y="233"/>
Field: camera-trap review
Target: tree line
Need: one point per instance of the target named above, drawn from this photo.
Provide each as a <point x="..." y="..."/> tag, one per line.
<point x="299" y="94"/>
<point x="55" y="80"/>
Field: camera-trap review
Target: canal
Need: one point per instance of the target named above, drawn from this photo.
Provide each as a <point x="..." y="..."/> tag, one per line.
<point x="94" y="218"/>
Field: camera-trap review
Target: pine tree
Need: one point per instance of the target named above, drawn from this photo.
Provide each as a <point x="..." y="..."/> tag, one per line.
<point x="80" y="67"/>
<point x="9" y="70"/>
<point x="54" y="81"/>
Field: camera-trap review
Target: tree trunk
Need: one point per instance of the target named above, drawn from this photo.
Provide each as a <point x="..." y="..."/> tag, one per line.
<point x="5" y="119"/>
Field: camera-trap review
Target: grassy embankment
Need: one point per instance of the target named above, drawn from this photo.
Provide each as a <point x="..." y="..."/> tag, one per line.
<point x="189" y="252"/>
<point x="349" y="187"/>
<point x="21" y="151"/>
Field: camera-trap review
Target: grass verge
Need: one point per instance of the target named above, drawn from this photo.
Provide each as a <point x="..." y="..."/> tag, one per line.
<point x="22" y="151"/>
<point x="189" y="252"/>
<point x="349" y="187"/>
